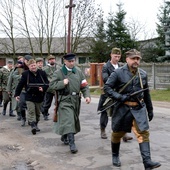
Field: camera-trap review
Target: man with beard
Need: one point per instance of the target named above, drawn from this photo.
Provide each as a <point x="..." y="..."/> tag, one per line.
<point x="131" y="112"/>
<point x="50" y="68"/>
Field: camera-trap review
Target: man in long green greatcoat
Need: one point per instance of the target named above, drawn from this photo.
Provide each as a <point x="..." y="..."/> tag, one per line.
<point x="69" y="81"/>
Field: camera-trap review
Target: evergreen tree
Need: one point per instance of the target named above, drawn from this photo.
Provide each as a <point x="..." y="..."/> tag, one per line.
<point x="163" y="28"/>
<point x="99" y="45"/>
<point x="117" y="32"/>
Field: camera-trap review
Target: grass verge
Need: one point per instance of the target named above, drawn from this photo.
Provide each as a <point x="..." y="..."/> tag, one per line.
<point x="156" y="95"/>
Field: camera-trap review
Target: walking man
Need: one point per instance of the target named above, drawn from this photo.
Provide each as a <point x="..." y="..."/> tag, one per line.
<point x="4" y="75"/>
<point x="107" y="69"/>
<point x="34" y="94"/>
<point x="131" y="112"/>
<point x="69" y="81"/>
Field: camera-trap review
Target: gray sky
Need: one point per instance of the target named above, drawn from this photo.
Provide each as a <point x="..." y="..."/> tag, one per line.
<point x="144" y="11"/>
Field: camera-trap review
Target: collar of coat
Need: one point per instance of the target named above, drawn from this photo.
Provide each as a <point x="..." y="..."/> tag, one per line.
<point x="65" y="71"/>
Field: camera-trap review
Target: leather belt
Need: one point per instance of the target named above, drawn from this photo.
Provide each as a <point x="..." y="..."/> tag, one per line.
<point x="132" y="104"/>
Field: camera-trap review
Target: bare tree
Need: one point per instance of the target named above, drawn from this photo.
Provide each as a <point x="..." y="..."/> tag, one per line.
<point x="83" y="18"/>
<point x="7" y="22"/>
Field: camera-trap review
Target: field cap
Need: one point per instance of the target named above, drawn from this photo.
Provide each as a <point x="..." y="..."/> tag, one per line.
<point x="69" y="56"/>
<point x="28" y="57"/>
<point x="39" y="59"/>
<point x="50" y="57"/>
<point x="116" y="51"/>
<point x="133" y="53"/>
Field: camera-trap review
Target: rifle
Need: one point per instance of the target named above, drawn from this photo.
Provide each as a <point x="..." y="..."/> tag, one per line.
<point x="55" y="107"/>
<point x="131" y="95"/>
<point x="37" y="85"/>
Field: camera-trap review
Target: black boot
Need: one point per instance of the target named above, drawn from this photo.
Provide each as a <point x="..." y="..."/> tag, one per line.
<point x="33" y="128"/>
<point x="18" y="116"/>
<point x="23" y="118"/>
<point x="64" y="139"/>
<point x="36" y="126"/>
<point x="10" y="110"/>
<point x="73" y="148"/>
<point x="146" y="156"/>
<point x="46" y="114"/>
<point x="4" y="108"/>
<point x="115" y="154"/>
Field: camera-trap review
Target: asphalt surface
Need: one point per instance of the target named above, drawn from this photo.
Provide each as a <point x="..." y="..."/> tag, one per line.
<point x="94" y="153"/>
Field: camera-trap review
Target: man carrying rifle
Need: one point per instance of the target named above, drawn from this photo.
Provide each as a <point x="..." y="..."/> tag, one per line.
<point x="36" y="83"/>
<point x="69" y="81"/>
<point x="131" y="111"/>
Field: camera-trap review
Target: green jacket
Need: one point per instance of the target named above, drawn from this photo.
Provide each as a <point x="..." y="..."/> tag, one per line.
<point x="50" y="70"/>
<point x="69" y="105"/>
<point x="13" y="80"/>
<point x="4" y="75"/>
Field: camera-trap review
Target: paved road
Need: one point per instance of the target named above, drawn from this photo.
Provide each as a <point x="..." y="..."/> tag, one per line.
<point x="94" y="153"/>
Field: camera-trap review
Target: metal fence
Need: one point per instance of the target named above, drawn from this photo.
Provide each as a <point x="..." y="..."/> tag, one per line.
<point x="158" y="74"/>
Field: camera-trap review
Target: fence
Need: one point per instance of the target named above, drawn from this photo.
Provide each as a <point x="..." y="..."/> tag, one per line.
<point x="158" y="74"/>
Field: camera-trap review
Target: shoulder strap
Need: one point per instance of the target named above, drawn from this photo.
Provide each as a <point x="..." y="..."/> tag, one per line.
<point x="121" y="90"/>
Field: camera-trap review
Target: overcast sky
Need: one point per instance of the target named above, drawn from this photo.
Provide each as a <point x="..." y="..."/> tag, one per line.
<point x="144" y="11"/>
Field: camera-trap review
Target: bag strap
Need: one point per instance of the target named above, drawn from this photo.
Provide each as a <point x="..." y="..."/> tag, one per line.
<point x="121" y="90"/>
<point x="40" y="76"/>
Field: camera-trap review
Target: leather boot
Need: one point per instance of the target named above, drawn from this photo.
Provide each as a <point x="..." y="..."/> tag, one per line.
<point x="103" y="133"/>
<point x="64" y="139"/>
<point x="33" y="128"/>
<point x="146" y="156"/>
<point x="73" y="148"/>
<point x="46" y="114"/>
<point x="127" y="138"/>
<point x="23" y="118"/>
<point x="115" y="154"/>
<point x="18" y="116"/>
<point x="10" y="110"/>
<point x="4" y="108"/>
<point x="36" y="126"/>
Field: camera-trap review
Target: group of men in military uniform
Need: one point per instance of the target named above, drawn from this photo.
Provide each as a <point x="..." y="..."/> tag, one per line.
<point x="10" y="76"/>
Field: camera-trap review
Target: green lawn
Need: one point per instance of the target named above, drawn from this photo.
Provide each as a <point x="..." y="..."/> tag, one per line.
<point x="160" y="95"/>
<point x="156" y="95"/>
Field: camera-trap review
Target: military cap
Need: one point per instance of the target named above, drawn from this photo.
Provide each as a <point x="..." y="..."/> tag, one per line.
<point x="28" y="57"/>
<point x="39" y="59"/>
<point x="50" y="57"/>
<point x="10" y="62"/>
<point x="133" y="53"/>
<point x="116" y="51"/>
<point x="69" y="56"/>
<point x="31" y="61"/>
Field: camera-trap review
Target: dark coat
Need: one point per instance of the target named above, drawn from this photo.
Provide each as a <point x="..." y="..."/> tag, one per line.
<point x="123" y="115"/>
<point x="32" y="94"/>
<point x="107" y="69"/>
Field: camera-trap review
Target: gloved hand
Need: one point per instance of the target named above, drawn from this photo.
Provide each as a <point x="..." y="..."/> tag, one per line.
<point x="124" y="97"/>
<point x="150" y="115"/>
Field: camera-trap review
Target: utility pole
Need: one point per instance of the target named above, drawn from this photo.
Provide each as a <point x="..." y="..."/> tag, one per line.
<point x="70" y="6"/>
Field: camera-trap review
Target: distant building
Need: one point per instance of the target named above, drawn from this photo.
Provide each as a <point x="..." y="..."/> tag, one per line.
<point x="58" y="49"/>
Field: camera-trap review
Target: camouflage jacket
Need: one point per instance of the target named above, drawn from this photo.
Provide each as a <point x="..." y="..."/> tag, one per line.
<point x="4" y="75"/>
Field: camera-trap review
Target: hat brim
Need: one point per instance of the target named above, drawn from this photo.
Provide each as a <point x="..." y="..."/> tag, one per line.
<point x="133" y="56"/>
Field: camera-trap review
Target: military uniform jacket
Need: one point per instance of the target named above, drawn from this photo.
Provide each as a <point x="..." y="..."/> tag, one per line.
<point x="68" y="99"/>
<point x="32" y="94"/>
<point x="50" y="70"/>
<point x="14" y="79"/>
<point x="107" y="69"/>
<point x="4" y="75"/>
<point x="123" y="114"/>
